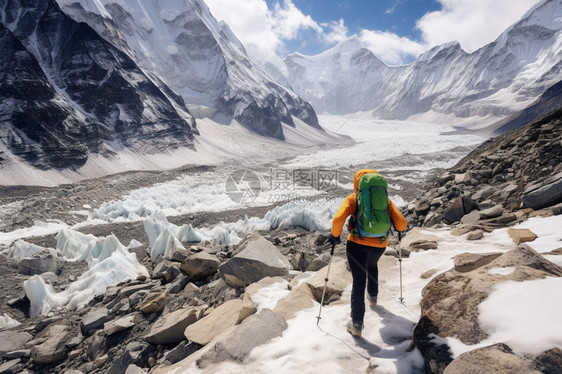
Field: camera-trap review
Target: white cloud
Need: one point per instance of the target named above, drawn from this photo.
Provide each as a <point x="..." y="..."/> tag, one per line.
<point x="263" y="31"/>
<point x="473" y="23"/>
<point x="338" y="31"/>
<point x="389" y="47"/>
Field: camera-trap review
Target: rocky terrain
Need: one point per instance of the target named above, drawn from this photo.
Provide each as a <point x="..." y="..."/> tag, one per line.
<point x="195" y="307"/>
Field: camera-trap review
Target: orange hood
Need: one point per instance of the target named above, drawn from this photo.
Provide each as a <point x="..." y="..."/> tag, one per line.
<point x="358" y="176"/>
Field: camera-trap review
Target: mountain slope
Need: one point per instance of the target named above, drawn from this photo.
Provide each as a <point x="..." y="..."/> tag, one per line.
<point x="181" y="43"/>
<point x="95" y="97"/>
<point x="499" y="79"/>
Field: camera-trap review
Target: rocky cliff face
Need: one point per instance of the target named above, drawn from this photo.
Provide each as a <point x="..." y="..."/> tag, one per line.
<point x="519" y="169"/>
<point x="183" y="45"/>
<point x="79" y="93"/>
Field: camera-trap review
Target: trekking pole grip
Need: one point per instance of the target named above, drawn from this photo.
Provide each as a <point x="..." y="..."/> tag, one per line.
<point x="332" y="250"/>
<point x="399" y="236"/>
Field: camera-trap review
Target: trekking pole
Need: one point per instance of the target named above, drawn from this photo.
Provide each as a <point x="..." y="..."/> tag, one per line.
<point x="325" y="284"/>
<point x="400" y="262"/>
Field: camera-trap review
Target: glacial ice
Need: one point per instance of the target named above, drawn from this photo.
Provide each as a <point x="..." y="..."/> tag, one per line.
<point x="7" y="322"/>
<point x="22" y="249"/>
<point x="109" y="264"/>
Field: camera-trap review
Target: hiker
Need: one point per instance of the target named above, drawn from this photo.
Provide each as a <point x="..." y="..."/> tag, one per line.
<point x="366" y="243"/>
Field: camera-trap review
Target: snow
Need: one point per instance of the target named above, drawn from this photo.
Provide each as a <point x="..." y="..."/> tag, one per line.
<point x="7" y="322"/>
<point x="524" y="315"/>
<point x="22" y="249"/>
<point x="39" y="229"/>
<point x="109" y="264"/>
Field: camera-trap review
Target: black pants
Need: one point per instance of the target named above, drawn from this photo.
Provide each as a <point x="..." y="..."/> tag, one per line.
<point x="362" y="261"/>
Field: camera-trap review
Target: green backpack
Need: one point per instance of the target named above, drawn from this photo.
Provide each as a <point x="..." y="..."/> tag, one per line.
<point x="371" y="211"/>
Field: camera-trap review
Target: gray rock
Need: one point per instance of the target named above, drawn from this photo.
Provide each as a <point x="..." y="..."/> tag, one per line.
<point x="166" y="270"/>
<point x="466" y="262"/>
<point x="422" y="207"/>
<point x="542" y="196"/>
<point x="492" y="212"/>
<point x="39" y="264"/>
<point x="121" y="324"/>
<point x="200" y="266"/>
<point x="53" y="348"/>
<point x="556" y="209"/>
<point x="94" y="320"/>
<point x="136" y="353"/>
<point x="549" y="362"/>
<point x="169" y="328"/>
<point x="154" y="301"/>
<point x="178" y="285"/>
<point x="11" y="367"/>
<point x="484" y="193"/>
<point x="134" y="369"/>
<point x="471" y="217"/>
<point x="455" y="211"/>
<point x="319" y="262"/>
<point x="129" y="290"/>
<point x="423" y="245"/>
<point x="475" y="235"/>
<point x="256" y="330"/>
<point x="499" y="356"/>
<point x="12" y="341"/>
<point x="258" y="259"/>
<point x="180" y="352"/>
<point x="20" y="353"/>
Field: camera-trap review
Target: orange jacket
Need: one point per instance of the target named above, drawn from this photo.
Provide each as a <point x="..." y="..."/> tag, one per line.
<point x="347" y="209"/>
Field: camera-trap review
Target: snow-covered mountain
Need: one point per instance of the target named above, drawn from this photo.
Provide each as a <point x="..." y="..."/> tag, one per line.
<point x="66" y="92"/>
<point x="181" y="43"/>
<point x="499" y="79"/>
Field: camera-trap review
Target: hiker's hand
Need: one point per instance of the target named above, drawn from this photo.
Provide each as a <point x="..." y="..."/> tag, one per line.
<point x="334" y="239"/>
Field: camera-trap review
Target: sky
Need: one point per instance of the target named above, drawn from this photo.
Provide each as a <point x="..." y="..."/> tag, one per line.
<point x="397" y="31"/>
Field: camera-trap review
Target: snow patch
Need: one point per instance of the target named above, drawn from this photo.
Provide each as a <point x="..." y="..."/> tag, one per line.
<point x="7" y="322"/>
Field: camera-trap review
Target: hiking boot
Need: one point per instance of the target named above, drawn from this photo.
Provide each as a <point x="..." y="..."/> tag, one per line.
<point x="372" y="300"/>
<point x="354" y="328"/>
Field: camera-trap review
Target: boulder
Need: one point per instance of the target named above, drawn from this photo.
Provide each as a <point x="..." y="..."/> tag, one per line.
<point x="53" y="346"/>
<point x="166" y="270"/>
<point x="544" y="195"/>
<point x="12" y="341"/>
<point x="39" y="264"/>
<point x="521" y="235"/>
<point x="298" y="299"/>
<point x="94" y="320"/>
<point x="423" y="245"/>
<point x="549" y="362"/>
<point x="169" y="328"/>
<point x="338" y="279"/>
<point x="449" y="305"/>
<point x="11" y="367"/>
<point x="418" y="234"/>
<point x="475" y="235"/>
<point x="121" y="324"/>
<point x="319" y="262"/>
<point x="258" y="259"/>
<point x="256" y="330"/>
<point x="466" y="262"/>
<point x="458" y="208"/>
<point x="226" y="315"/>
<point x="502" y="358"/>
<point x="199" y="266"/>
<point x="154" y="301"/>
<point x="136" y="353"/>
<point x="493" y="212"/>
<point x="471" y="217"/>
<point x="181" y="351"/>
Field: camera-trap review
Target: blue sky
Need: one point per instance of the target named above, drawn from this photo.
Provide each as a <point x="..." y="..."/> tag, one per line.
<point x="397" y="31"/>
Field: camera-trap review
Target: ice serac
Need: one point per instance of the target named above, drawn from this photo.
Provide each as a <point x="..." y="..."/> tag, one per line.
<point x="191" y="52"/>
<point x="478" y="88"/>
<point x="67" y="92"/>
